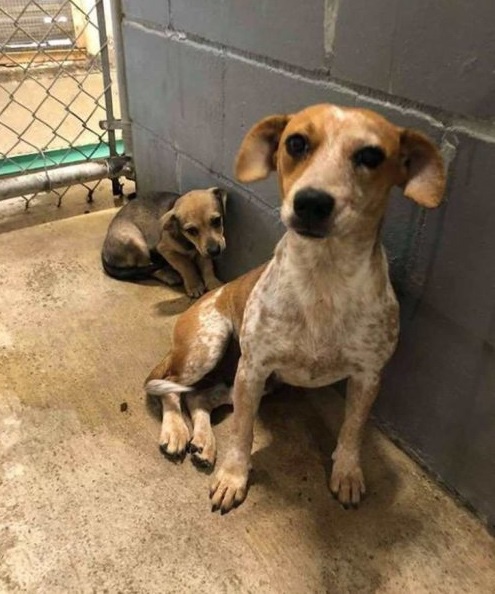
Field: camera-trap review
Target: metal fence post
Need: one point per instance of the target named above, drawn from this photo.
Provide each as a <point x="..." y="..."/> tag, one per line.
<point x="107" y="86"/>
<point x="118" y="40"/>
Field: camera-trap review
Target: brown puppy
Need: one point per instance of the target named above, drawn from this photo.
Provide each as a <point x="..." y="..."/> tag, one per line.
<point x="322" y="309"/>
<point x="160" y="233"/>
<point x="192" y="234"/>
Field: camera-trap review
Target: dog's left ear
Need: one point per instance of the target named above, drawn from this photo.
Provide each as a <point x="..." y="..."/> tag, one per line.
<point x="221" y="196"/>
<point x="423" y="169"/>
<point x="257" y="156"/>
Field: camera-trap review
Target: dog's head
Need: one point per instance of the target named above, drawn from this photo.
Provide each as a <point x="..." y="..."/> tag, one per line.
<point x="197" y="220"/>
<point x="336" y="167"/>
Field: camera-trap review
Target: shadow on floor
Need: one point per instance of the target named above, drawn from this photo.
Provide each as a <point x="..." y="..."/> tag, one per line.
<point x="291" y="470"/>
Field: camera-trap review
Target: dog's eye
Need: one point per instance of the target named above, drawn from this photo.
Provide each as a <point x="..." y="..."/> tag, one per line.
<point x="369" y="156"/>
<point x="216" y="222"/>
<point x="192" y="231"/>
<point x="297" y="145"/>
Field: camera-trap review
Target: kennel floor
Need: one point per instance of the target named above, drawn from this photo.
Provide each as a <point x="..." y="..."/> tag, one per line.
<point x="88" y="503"/>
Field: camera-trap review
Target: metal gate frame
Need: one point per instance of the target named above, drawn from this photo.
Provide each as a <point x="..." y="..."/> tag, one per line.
<point x="43" y="178"/>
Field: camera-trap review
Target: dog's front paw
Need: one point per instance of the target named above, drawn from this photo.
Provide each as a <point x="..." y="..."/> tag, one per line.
<point x="174" y="436"/>
<point x="213" y="283"/>
<point x="203" y="449"/>
<point x="347" y="481"/>
<point x="195" y="291"/>
<point x="229" y="487"/>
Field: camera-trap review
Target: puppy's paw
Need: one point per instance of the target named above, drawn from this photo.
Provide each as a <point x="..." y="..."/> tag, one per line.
<point x="229" y="486"/>
<point x="195" y="291"/>
<point x="203" y="449"/>
<point x="347" y="481"/>
<point x="174" y="436"/>
<point x="213" y="283"/>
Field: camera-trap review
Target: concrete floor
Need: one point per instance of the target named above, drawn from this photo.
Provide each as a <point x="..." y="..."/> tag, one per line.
<point x="88" y="503"/>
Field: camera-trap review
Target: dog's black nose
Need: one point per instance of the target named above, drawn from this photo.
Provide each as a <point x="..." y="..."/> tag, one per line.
<point x="213" y="250"/>
<point x="313" y="205"/>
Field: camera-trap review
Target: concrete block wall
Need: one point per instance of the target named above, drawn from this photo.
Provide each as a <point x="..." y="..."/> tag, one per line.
<point x="201" y="72"/>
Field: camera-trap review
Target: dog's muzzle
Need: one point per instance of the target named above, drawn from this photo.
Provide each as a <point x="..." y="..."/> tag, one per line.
<point x="312" y="212"/>
<point x="214" y="250"/>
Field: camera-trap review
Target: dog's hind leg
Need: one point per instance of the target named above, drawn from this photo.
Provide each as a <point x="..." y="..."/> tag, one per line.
<point x="201" y="404"/>
<point x="164" y="271"/>
<point x="201" y="338"/>
<point x="126" y="246"/>
<point x="174" y="435"/>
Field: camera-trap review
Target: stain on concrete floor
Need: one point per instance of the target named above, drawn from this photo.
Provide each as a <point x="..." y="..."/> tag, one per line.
<point x="88" y="504"/>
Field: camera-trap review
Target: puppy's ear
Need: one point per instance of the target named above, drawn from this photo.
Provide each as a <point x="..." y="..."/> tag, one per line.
<point x="423" y="169"/>
<point x="221" y="196"/>
<point x="168" y="221"/>
<point x="257" y="156"/>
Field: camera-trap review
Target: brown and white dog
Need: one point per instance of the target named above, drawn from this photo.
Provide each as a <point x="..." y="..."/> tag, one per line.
<point x="322" y="309"/>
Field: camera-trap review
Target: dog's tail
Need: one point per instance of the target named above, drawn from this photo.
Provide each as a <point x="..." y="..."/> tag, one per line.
<point x="130" y="272"/>
<point x="156" y="384"/>
<point x="161" y="387"/>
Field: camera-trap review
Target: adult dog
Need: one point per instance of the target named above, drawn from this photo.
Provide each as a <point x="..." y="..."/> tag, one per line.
<point x="323" y="308"/>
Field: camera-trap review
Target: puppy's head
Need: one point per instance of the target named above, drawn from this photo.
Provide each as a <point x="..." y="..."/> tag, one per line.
<point x="336" y="167"/>
<point x="198" y="218"/>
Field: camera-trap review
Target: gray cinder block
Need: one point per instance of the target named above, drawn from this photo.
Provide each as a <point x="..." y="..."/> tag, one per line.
<point x="462" y="280"/>
<point x="155" y="162"/>
<point x="436" y="53"/>
<point x="151" y="11"/>
<point x="175" y="90"/>
<point x="286" y="30"/>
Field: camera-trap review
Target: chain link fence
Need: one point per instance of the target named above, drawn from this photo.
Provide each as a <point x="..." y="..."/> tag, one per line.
<point x="58" y="106"/>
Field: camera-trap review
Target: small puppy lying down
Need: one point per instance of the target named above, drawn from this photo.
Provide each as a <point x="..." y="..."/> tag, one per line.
<point x="169" y="237"/>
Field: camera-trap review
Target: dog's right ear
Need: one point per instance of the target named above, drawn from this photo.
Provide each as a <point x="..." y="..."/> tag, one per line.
<point x="168" y="222"/>
<point x="257" y="157"/>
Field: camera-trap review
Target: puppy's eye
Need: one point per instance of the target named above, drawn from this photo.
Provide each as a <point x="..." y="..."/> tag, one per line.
<point x="216" y="222"/>
<point x="369" y="156"/>
<point x="192" y="231"/>
<point x="297" y="145"/>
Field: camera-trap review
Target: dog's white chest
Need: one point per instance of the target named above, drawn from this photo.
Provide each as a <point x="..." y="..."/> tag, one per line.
<point x="313" y="375"/>
<point x="318" y="339"/>
<point x="310" y="356"/>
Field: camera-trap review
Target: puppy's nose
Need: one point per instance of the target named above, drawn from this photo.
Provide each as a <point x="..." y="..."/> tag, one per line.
<point x="213" y="250"/>
<point x="313" y="205"/>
